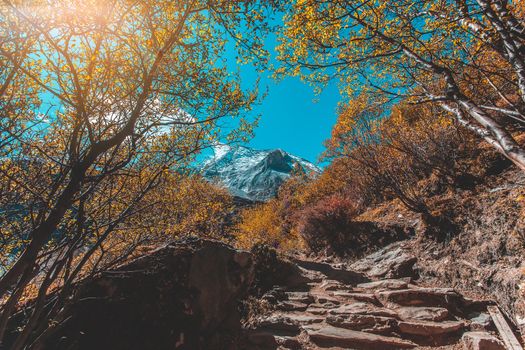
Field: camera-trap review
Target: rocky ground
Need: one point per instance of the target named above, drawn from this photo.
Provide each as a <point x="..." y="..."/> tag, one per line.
<point x="188" y="295"/>
<point x="373" y="304"/>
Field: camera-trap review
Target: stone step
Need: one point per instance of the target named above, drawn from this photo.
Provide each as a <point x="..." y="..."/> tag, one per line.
<point x="481" y="341"/>
<point x="427" y="328"/>
<point x="365" y="297"/>
<point x="364" y="309"/>
<point x="263" y="339"/>
<point x="329" y="336"/>
<point x="349" y="277"/>
<point x="301" y="297"/>
<point x="279" y="323"/>
<point x="393" y="261"/>
<point x="423" y="313"/>
<point x="384" y="284"/>
<point x="292" y="306"/>
<point x="433" y="297"/>
<point x="365" y="323"/>
<point x="303" y="318"/>
<point x="331" y="285"/>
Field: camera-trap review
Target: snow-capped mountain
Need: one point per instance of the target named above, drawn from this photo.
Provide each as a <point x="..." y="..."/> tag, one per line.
<point x="253" y="174"/>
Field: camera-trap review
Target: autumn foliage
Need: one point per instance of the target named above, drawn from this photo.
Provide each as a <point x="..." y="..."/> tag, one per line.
<point x="408" y="155"/>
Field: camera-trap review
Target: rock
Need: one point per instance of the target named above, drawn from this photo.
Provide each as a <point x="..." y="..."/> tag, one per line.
<point x="437" y="297"/>
<point x="185" y="293"/>
<point x="330" y="285"/>
<point x="366" y="297"/>
<point x="292" y="306"/>
<point x="302" y="297"/>
<point x="384" y="284"/>
<point x="262" y="338"/>
<point x="272" y="270"/>
<point x="481" y="341"/>
<point x="427" y="328"/>
<point x="366" y="323"/>
<point x="422" y="313"/>
<point x="329" y="336"/>
<point x="321" y="299"/>
<point x="393" y="261"/>
<point x="480" y="321"/>
<point x="279" y="322"/>
<point x="316" y="310"/>
<point x="217" y="275"/>
<point x="330" y="305"/>
<point x="348" y="277"/>
<point x="274" y="295"/>
<point x="303" y="319"/>
<point x="288" y="342"/>
<point x="312" y="276"/>
<point x="362" y="308"/>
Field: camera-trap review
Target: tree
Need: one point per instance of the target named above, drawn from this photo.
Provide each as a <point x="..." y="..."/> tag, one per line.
<point x="391" y="153"/>
<point x="466" y="56"/>
<point x="105" y="98"/>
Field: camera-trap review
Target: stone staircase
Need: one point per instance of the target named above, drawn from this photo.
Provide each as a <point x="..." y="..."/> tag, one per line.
<point x="343" y="309"/>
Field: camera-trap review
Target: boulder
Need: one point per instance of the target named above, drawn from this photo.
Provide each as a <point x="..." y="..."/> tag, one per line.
<point x="393" y="261"/>
<point x="329" y="336"/>
<point x="186" y="293"/>
<point x="272" y="270"/>
<point x="481" y="341"/>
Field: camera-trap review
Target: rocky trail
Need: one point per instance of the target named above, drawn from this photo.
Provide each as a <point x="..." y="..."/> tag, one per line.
<point x="374" y="304"/>
<point x="190" y="295"/>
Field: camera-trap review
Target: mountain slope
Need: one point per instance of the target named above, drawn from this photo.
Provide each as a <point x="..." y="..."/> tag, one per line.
<point x="253" y="174"/>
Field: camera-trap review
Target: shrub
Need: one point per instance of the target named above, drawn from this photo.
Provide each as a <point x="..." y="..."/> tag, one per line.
<point x="330" y="225"/>
<point x="327" y="223"/>
<point x="269" y="224"/>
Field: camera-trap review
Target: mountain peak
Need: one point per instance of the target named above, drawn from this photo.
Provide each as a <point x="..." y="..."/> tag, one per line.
<point x="253" y="174"/>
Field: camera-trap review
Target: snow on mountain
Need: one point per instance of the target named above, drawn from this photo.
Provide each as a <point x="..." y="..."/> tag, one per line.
<point x="253" y="174"/>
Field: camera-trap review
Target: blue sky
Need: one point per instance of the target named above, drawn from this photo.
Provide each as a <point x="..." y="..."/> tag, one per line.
<point x="293" y="121"/>
<point x="293" y="117"/>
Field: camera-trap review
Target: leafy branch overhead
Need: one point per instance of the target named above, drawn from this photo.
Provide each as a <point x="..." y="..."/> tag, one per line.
<point x="466" y="56"/>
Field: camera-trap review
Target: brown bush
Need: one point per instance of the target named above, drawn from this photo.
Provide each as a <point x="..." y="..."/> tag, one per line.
<point x="327" y="223"/>
<point x="330" y="225"/>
